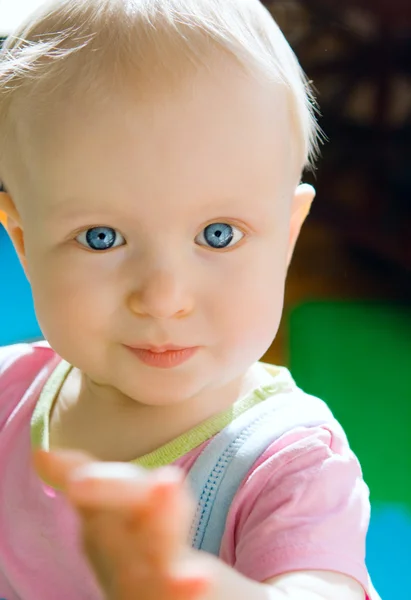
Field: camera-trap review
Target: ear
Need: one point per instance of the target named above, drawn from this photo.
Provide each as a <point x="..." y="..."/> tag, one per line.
<point x="10" y="218"/>
<point x="301" y="204"/>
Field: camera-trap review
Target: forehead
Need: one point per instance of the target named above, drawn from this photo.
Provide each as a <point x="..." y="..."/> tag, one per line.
<point x="221" y="130"/>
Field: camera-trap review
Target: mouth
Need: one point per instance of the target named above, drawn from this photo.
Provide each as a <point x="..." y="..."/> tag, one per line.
<point x="162" y="357"/>
<point x="159" y="349"/>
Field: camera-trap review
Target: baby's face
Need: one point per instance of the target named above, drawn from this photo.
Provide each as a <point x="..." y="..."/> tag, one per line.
<point x="163" y="221"/>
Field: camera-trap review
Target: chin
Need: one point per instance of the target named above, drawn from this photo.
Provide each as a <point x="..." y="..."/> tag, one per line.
<point x="166" y="394"/>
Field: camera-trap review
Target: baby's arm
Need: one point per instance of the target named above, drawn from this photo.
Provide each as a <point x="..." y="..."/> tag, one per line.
<point x="317" y="585"/>
<point x="302" y="585"/>
<point x="136" y="542"/>
<point x="301" y="517"/>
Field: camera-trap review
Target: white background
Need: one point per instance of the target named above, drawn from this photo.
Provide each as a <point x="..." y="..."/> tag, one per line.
<point x="12" y="12"/>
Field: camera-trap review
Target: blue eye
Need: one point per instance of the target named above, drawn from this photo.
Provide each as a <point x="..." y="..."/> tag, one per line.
<point x="219" y="235"/>
<point x="100" y="238"/>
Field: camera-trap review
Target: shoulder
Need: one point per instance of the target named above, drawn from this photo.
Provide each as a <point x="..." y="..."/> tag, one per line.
<point x="299" y="430"/>
<point x="307" y="444"/>
<point x="301" y="425"/>
<point x="20" y="365"/>
<point x="312" y="455"/>
<point x="302" y="506"/>
<point x="309" y="463"/>
<point x="10" y="356"/>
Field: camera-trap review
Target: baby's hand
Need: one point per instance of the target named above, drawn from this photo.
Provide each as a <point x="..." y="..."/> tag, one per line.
<point x="135" y="526"/>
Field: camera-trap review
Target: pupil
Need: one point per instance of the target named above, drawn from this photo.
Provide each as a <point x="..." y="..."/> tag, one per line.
<point x="219" y="235"/>
<point x="101" y="238"/>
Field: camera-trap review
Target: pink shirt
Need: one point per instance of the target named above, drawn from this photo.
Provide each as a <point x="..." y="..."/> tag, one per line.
<point x="304" y="504"/>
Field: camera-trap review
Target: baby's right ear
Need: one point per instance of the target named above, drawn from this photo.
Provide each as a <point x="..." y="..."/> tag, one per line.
<point x="10" y="218"/>
<point x="3" y="219"/>
<point x="3" y="215"/>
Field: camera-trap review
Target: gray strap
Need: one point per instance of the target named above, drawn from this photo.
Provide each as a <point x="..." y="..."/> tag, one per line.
<point x="220" y="469"/>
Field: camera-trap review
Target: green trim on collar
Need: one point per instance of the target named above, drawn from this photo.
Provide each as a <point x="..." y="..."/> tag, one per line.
<point x="172" y="451"/>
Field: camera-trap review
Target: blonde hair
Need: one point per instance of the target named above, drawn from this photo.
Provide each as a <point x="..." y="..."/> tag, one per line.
<point x="72" y="46"/>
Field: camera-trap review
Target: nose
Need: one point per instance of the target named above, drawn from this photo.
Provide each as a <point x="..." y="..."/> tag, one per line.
<point x="162" y="295"/>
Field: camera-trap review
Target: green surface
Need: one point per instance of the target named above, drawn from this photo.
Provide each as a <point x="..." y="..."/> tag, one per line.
<point x="357" y="357"/>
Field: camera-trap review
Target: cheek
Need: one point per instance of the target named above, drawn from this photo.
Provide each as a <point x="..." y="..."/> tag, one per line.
<point x="250" y="308"/>
<point x="71" y="299"/>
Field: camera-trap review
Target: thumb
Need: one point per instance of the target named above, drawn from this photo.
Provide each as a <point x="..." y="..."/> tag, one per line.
<point x="54" y="468"/>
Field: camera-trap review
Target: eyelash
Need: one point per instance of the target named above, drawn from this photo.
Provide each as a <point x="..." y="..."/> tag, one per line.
<point x="85" y="232"/>
<point x="232" y="226"/>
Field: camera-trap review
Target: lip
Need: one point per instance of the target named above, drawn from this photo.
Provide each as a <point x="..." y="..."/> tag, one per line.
<point x="164" y="348"/>
<point x="163" y="357"/>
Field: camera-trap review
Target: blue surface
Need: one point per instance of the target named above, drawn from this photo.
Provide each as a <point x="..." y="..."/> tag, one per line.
<point x="17" y="318"/>
<point x="389" y="551"/>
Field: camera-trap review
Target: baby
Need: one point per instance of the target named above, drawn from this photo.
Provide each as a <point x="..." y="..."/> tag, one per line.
<point x="151" y="156"/>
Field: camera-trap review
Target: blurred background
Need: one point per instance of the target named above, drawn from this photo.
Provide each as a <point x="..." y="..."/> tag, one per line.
<point x="346" y="331"/>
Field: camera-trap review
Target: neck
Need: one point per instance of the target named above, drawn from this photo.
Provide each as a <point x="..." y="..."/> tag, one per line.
<point x="105" y="423"/>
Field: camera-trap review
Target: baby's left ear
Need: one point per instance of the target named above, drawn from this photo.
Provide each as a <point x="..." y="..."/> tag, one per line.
<point x="301" y="204"/>
<point x="11" y="220"/>
<point x="3" y="218"/>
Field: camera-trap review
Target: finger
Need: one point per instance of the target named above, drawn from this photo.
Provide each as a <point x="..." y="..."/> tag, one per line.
<point x="155" y="532"/>
<point x="162" y="526"/>
<point x="188" y="581"/>
<point x="113" y="538"/>
<point x="155" y="508"/>
<point x="55" y="467"/>
<point x="193" y="588"/>
<point x="114" y="485"/>
<point x="113" y="550"/>
<point x="106" y="545"/>
<point x="191" y="579"/>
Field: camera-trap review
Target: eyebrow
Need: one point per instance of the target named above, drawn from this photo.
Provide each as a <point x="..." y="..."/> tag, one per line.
<point x="76" y="204"/>
<point x="73" y="208"/>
